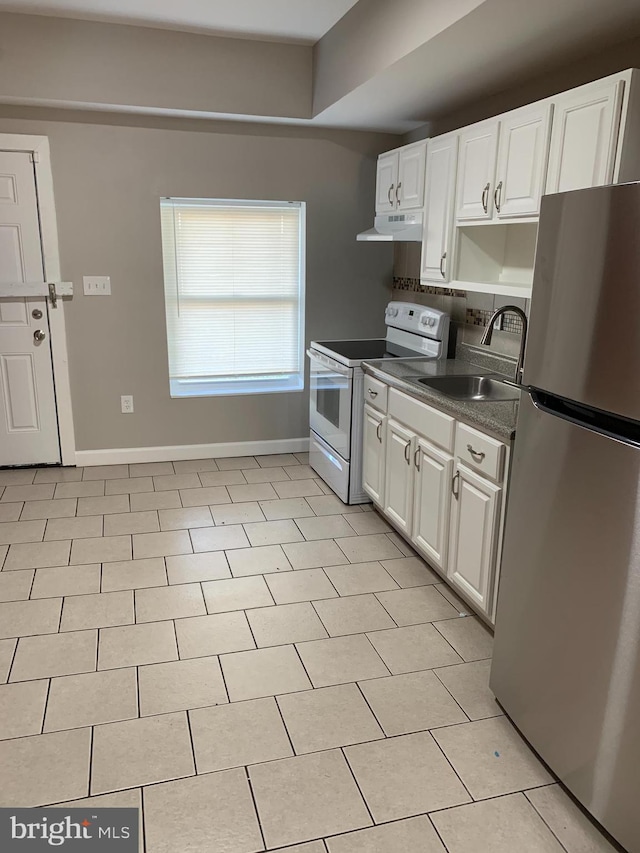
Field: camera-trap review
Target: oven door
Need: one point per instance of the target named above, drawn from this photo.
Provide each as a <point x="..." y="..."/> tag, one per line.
<point x="331" y="386"/>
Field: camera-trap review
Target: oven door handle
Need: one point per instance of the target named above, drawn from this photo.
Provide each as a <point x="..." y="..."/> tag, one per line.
<point x="335" y="366"/>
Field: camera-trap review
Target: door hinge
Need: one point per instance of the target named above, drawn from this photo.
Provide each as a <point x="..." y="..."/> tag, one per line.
<point x="34" y="157"/>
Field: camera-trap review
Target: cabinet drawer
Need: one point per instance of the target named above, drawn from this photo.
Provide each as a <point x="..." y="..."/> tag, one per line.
<point x="375" y="393"/>
<point x="428" y="422"/>
<point x="480" y="451"/>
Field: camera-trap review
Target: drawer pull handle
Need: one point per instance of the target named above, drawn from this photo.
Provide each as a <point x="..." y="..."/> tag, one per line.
<point x="416" y="458"/>
<point x="407" y="453"/>
<point x="454" y="483"/>
<point x="378" y="433"/>
<point x="372" y="393"/>
<point x="477" y="455"/>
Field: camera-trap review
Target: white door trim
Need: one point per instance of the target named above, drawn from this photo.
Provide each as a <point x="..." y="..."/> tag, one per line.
<point x="39" y="146"/>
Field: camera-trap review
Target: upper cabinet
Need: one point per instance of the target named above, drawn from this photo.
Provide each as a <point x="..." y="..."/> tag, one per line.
<point x="480" y="187"/>
<point x="503" y="164"/>
<point x="476" y="170"/>
<point x="400" y="178"/>
<point x="585" y="133"/>
<point x="442" y="158"/>
<point x="522" y="161"/>
<point x="386" y="182"/>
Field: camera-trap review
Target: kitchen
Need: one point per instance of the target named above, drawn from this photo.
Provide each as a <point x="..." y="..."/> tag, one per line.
<point x="186" y="489"/>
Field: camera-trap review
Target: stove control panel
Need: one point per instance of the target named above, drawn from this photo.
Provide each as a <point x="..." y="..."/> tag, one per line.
<point x="428" y="322"/>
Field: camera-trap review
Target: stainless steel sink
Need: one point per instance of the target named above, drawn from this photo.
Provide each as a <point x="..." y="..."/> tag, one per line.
<point x="478" y="388"/>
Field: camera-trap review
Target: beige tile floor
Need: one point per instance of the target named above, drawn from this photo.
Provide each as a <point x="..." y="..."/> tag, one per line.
<point x="255" y="664"/>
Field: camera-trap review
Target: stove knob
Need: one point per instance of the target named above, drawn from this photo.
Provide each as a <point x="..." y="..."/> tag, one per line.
<point x="393" y="312"/>
<point x="432" y="321"/>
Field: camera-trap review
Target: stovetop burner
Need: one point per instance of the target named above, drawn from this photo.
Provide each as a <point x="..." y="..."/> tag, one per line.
<point x="358" y="349"/>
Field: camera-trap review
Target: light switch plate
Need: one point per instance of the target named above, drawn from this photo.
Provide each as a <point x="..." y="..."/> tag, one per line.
<point x="96" y="285"/>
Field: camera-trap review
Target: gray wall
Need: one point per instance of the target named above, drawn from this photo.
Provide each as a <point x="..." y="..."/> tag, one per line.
<point x="78" y="63"/>
<point x="108" y="180"/>
<point x="593" y="66"/>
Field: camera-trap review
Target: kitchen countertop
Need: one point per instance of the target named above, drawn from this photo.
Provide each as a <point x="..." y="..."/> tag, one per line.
<point x="496" y="418"/>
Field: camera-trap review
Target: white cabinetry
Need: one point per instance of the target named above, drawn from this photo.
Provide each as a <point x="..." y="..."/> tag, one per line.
<point x="512" y="185"/>
<point x="386" y="182"/>
<point x="585" y="133"/>
<point x="475" y="515"/>
<point x="400" y="178"/>
<point x="432" y="502"/>
<point x="449" y="508"/>
<point x="522" y="161"/>
<point x="476" y="169"/>
<point x="493" y="174"/>
<point x="440" y="182"/>
<point x="373" y="456"/>
<point x="398" y="479"/>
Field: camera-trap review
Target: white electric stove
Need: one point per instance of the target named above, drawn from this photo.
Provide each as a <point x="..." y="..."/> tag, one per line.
<point x="336" y="390"/>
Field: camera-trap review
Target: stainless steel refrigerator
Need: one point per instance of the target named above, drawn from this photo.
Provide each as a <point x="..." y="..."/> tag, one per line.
<point x="566" y="666"/>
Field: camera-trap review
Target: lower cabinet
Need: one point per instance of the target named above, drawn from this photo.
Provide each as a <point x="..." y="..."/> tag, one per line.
<point x="420" y="477"/>
<point x="474" y="533"/>
<point x="432" y="502"/>
<point x="398" y="486"/>
<point x="373" y="459"/>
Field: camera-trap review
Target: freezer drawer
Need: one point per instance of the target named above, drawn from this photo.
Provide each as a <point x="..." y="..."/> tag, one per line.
<point x="566" y="664"/>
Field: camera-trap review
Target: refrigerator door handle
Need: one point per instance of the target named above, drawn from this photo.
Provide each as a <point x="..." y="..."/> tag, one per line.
<point x="605" y="423"/>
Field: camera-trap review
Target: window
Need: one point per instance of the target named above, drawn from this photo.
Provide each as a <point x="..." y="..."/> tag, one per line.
<point x="234" y="295"/>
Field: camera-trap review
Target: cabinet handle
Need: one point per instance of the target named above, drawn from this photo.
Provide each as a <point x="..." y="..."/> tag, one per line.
<point x="485" y="197"/>
<point x="407" y="453"/>
<point x="398" y="193"/>
<point x="416" y="458"/>
<point x="478" y="455"/>
<point x="454" y="483"/>
<point x="372" y="393"/>
<point x="496" y="196"/>
<point x="390" y="195"/>
<point x="442" y="260"/>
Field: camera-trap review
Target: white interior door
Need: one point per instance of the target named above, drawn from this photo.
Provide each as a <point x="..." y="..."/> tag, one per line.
<point x="28" y="420"/>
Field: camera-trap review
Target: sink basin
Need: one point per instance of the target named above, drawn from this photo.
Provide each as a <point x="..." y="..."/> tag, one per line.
<point x="477" y="388"/>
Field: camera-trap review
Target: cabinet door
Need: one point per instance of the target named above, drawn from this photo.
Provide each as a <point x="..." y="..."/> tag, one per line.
<point x="398" y="481"/>
<point x="522" y="161"/>
<point x="442" y="157"/>
<point x="411" y="165"/>
<point x="584" y="137"/>
<point x="432" y="502"/>
<point x="475" y="513"/>
<point x="386" y="182"/>
<point x="476" y="168"/>
<point x="373" y="454"/>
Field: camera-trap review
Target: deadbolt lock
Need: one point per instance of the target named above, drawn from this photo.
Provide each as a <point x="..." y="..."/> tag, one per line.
<point x="36" y="314"/>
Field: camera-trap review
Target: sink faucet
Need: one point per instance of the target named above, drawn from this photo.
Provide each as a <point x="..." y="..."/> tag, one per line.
<point x="488" y="333"/>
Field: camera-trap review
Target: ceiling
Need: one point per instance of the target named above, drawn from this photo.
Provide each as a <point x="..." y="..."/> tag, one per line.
<point x="367" y="65"/>
<point x="303" y="21"/>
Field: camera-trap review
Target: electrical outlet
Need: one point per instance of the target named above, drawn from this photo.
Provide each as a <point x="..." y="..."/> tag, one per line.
<point x="126" y="404"/>
<point x="96" y="285"/>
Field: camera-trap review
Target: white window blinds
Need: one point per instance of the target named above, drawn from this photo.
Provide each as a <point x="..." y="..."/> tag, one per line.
<point x="234" y="295"/>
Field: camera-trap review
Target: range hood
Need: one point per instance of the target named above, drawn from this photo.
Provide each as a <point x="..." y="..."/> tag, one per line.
<point x="395" y="227"/>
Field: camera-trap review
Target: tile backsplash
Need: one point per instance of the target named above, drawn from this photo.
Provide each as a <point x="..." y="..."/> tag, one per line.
<point x="470" y="312"/>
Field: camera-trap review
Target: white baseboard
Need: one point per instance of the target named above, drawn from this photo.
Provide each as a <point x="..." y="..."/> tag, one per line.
<point x="179" y="452"/>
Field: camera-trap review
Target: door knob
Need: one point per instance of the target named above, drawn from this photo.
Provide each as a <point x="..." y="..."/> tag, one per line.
<point x="39" y="335"/>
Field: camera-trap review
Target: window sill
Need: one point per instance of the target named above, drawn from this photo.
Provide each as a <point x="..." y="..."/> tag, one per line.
<point x="180" y="388"/>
